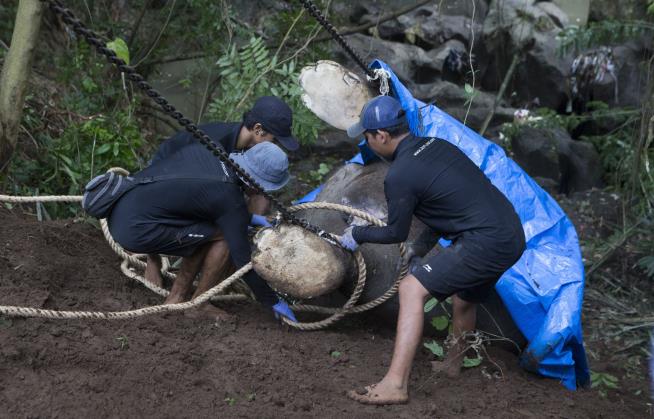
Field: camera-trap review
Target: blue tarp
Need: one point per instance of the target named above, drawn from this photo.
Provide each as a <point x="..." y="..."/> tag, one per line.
<point x="543" y="291"/>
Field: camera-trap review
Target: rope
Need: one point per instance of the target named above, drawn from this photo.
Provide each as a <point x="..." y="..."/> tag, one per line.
<point x="215" y="293"/>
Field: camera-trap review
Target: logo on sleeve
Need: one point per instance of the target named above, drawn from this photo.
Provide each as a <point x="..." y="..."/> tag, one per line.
<point x="426" y="267"/>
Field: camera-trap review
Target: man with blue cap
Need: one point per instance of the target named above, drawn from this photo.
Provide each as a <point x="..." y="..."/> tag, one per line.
<point x="434" y="181"/>
<point x="194" y="207"/>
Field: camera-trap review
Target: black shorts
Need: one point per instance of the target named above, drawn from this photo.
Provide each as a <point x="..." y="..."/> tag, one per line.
<point x="165" y="239"/>
<point x="468" y="268"/>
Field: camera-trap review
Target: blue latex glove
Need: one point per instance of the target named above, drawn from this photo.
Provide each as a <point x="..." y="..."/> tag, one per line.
<point x="282" y="309"/>
<point x="259" y="220"/>
<point x="347" y="241"/>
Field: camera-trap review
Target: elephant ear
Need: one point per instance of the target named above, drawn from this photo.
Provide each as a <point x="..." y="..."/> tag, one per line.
<point x="333" y="93"/>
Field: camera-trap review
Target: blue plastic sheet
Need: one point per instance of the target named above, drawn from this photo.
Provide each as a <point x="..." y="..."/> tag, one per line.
<point x="543" y="291"/>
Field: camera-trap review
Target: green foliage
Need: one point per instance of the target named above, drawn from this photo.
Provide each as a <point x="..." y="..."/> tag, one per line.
<point x="315" y="177"/>
<point x="603" y="381"/>
<point x="472" y="362"/>
<point x="120" y="48"/>
<point x="335" y="354"/>
<point x="430" y="304"/>
<point x="84" y="150"/>
<point x="99" y="132"/>
<point x="253" y="70"/>
<point x="440" y="322"/>
<point x="231" y="401"/>
<point x="435" y="348"/>
<point x="606" y="32"/>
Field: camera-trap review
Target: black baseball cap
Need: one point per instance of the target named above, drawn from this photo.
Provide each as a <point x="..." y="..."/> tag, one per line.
<point x="277" y="118"/>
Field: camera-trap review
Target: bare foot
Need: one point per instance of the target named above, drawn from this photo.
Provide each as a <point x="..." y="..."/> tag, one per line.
<point x="210" y="312"/>
<point x="175" y="298"/>
<point x="381" y="393"/>
<point x="153" y="271"/>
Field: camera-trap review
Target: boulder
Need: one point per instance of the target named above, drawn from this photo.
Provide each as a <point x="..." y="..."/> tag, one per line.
<point x="519" y="26"/>
<point x="553" y="154"/>
<point x="362" y="187"/>
<point x="409" y="62"/>
<point x="453" y="99"/>
<point x="429" y="29"/>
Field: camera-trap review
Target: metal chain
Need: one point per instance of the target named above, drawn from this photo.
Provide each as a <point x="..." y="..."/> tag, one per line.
<point x="96" y="41"/>
<point x="317" y="14"/>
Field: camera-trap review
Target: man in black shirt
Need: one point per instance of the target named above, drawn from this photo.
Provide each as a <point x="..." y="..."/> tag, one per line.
<point x="435" y="181"/>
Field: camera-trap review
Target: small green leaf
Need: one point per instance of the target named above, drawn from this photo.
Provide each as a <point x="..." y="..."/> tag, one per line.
<point x="471" y="362"/>
<point x="120" y="48"/>
<point x="435" y="348"/>
<point x="429" y="305"/>
<point x="468" y="88"/>
<point x="102" y="149"/>
<point x="335" y="354"/>
<point x="440" y="322"/>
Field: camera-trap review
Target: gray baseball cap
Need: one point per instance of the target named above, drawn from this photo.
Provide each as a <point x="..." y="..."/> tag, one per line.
<point x="266" y="163"/>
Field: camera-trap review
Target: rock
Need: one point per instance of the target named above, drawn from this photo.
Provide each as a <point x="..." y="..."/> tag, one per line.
<point x="453" y="99"/>
<point x="553" y="154"/>
<point x="409" y="62"/>
<point x="514" y="26"/>
<point x="362" y="187"/>
<point x="429" y="29"/>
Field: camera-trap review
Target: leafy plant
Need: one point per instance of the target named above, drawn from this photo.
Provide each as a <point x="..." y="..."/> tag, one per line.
<point x="253" y="69"/>
<point x="230" y="401"/>
<point x="440" y="322"/>
<point x="472" y="362"/>
<point x="335" y="354"/>
<point x="606" y="32"/>
<point x="435" y="348"/>
<point x="603" y="381"/>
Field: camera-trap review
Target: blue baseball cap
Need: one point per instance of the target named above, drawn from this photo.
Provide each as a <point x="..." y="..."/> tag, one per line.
<point x="380" y="112"/>
<point x="277" y="118"/>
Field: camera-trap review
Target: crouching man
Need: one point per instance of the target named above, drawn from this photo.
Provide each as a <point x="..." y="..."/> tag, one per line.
<point x="435" y="181"/>
<point x="194" y="207"/>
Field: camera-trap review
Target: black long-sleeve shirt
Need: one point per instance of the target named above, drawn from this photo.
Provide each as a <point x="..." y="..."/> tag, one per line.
<point x="435" y="181"/>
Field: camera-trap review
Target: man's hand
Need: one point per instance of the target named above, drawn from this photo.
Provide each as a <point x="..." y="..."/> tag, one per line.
<point x="347" y="241"/>
<point x="281" y="309"/>
<point x="259" y="221"/>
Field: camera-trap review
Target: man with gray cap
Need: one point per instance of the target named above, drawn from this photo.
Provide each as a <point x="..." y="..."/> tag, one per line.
<point x="435" y="181"/>
<point x="194" y="207"/>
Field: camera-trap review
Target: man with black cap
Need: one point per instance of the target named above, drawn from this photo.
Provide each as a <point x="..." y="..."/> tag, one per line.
<point x="270" y="119"/>
<point x="195" y="208"/>
<point x="435" y="181"/>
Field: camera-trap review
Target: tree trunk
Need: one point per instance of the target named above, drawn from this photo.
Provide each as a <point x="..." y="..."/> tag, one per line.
<point x="15" y="73"/>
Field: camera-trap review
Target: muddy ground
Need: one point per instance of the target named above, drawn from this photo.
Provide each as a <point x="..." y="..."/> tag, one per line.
<point x="177" y="366"/>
